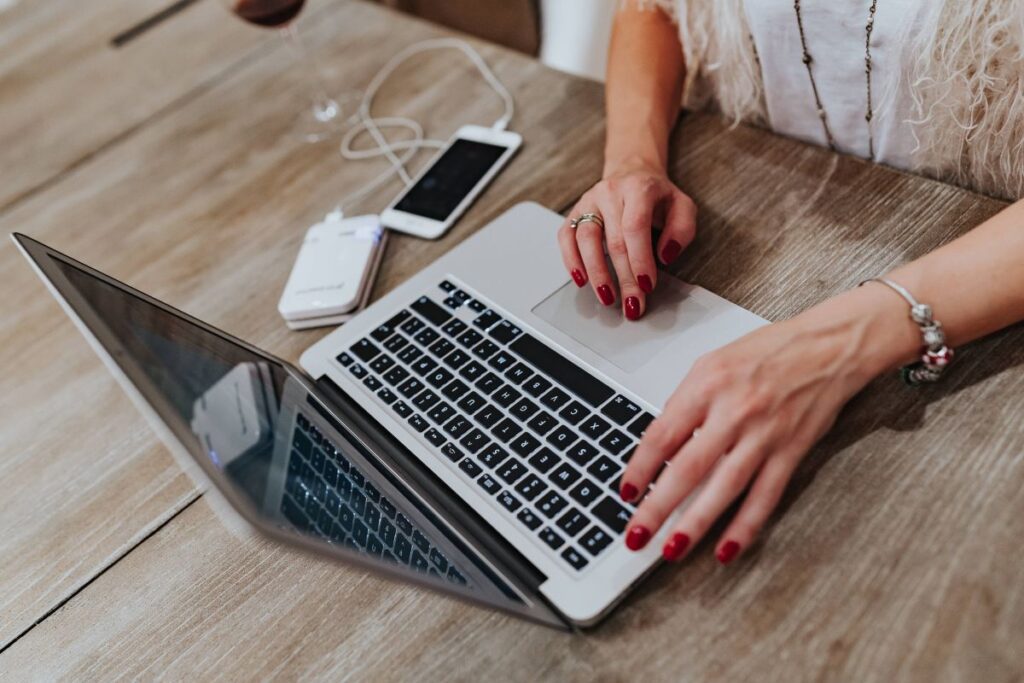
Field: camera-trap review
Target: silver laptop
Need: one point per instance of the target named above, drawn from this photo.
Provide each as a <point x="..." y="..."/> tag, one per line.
<point x="466" y="432"/>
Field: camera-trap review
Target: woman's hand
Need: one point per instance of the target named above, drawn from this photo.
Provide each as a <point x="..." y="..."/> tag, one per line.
<point x="757" y="406"/>
<point x="629" y="202"/>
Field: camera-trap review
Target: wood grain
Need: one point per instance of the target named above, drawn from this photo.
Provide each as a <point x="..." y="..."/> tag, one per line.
<point x="893" y="556"/>
<point x="205" y="208"/>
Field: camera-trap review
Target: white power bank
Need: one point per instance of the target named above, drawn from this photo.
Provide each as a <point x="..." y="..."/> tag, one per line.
<point x="334" y="271"/>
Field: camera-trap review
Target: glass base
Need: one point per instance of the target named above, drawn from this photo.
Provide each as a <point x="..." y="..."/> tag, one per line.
<point x="328" y="119"/>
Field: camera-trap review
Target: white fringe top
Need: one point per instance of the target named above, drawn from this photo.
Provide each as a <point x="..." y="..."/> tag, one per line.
<point x="947" y="78"/>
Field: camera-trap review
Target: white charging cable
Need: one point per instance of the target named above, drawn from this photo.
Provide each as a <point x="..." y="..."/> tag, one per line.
<point x="407" y="148"/>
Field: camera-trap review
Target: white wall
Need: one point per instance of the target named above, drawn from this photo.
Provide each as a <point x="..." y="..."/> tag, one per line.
<point x="574" y="35"/>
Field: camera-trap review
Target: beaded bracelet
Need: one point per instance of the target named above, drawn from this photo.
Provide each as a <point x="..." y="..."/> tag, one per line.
<point x="935" y="355"/>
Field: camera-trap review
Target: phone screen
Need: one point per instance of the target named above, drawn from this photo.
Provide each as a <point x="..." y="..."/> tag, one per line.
<point x="454" y="175"/>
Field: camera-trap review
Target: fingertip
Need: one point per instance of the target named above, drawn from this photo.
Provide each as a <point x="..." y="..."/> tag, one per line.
<point x="727" y="552"/>
<point x="632" y="308"/>
<point x="645" y="282"/>
<point x="670" y="251"/>
<point x="579" y="277"/>
<point x="675" y="547"/>
<point x="606" y="295"/>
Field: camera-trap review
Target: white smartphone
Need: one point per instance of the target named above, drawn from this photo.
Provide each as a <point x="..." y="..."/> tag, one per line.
<point x="452" y="180"/>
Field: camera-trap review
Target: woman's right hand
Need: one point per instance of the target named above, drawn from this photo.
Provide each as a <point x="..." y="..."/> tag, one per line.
<point x="630" y="202"/>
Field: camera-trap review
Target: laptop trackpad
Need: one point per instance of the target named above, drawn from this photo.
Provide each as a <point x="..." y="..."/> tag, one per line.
<point x="605" y="330"/>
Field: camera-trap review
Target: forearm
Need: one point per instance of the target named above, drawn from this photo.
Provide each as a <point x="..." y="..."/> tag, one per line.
<point x="644" y="82"/>
<point x="974" y="284"/>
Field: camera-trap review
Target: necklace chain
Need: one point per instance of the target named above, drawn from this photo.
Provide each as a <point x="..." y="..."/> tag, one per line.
<point x="808" y="60"/>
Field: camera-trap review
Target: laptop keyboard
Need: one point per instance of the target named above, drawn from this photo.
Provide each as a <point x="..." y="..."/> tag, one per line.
<point x="543" y="438"/>
<point x="328" y="496"/>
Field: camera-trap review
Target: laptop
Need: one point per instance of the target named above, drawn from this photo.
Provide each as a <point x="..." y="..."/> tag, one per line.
<point x="466" y="432"/>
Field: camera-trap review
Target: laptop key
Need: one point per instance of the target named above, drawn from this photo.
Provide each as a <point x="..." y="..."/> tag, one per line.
<point x="640" y="425"/>
<point x="511" y="471"/>
<point x="485" y="349"/>
<point x="410" y="387"/>
<point x="345" y="359"/>
<point x="435" y="437"/>
<point x="409" y="354"/>
<point x="470" y="468"/>
<point x="603" y="468"/>
<point x="357" y="370"/>
<point x="594" y="426"/>
<point x="505" y="396"/>
<point x="431" y="311"/>
<point x="492" y="455"/>
<point x="542" y="422"/>
<point x="365" y="350"/>
<point x="488" y="383"/>
<point x="518" y="373"/>
<point x="486" y="319"/>
<point x="614" y="516"/>
<point x="441" y="347"/>
<point x="387" y="395"/>
<point x="446" y="286"/>
<point x="552" y="538"/>
<point x="450" y="451"/>
<point x="402" y="408"/>
<point x="438" y="377"/>
<point x="544" y="459"/>
<point x="472" y="371"/>
<point x="396" y="375"/>
<point x="615" y="442"/>
<point x="585" y="492"/>
<point x="488" y="483"/>
<point x="562" y="438"/>
<point x="621" y="410"/>
<point x="456" y="359"/>
<point x="489" y="416"/>
<point x="455" y="389"/>
<point x="536" y="385"/>
<point x="454" y="327"/>
<point x="441" y="413"/>
<point x="530" y="487"/>
<point x="523" y="409"/>
<point x="502" y="361"/>
<point x="574" y="558"/>
<point x="396" y="343"/>
<point x="427" y="336"/>
<point x="529" y="519"/>
<point x="412" y="326"/>
<point x="555" y="399"/>
<point x="372" y="382"/>
<point x="564" y="476"/>
<point x="524" y="444"/>
<point x="469" y="338"/>
<point x="424" y="366"/>
<point x="574" y="413"/>
<point x="581" y="452"/>
<point x="508" y="501"/>
<point x="505" y="332"/>
<point x="471" y="402"/>
<point x="417" y="422"/>
<point x="505" y="430"/>
<point x="458" y="426"/>
<point x="426" y="400"/>
<point x="474" y="441"/>
<point x="595" y="540"/>
<point x="551" y="504"/>
<point x="568" y="374"/>
<point x="572" y="522"/>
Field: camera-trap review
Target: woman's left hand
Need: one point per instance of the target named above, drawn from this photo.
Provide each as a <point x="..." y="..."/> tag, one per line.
<point x="757" y="406"/>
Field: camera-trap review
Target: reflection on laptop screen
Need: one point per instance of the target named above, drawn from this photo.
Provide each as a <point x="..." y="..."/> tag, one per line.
<point x="273" y="448"/>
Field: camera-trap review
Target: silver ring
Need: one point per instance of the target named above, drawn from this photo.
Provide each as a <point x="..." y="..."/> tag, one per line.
<point x="594" y="218"/>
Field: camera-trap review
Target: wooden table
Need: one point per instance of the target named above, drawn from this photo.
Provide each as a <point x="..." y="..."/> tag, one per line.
<point x="166" y="163"/>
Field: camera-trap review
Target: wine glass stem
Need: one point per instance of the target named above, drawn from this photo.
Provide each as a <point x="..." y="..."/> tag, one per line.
<point x="325" y="109"/>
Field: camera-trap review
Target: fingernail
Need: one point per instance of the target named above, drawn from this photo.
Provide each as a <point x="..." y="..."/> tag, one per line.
<point x="637" y="538"/>
<point x="632" y="306"/>
<point x="670" y="251"/>
<point x="605" y="294"/>
<point x="578" y="277"/>
<point x="645" y="283"/>
<point x="628" y="492"/>
<point x="675" y="547"/>
<point x="727" y="553"/>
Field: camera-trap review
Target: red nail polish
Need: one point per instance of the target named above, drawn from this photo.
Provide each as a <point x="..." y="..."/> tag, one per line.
<point x="578" y="277"/>
<point x="628" y="492"/>
<point x="632" y="306"/>
<point x="645" y="283"/>
<point x="675" y="546"/>
<point x="605" y="294"/>
<point x="637" y="538"/>
<point x="670" y="251"/>
<point x="727" y="553"/>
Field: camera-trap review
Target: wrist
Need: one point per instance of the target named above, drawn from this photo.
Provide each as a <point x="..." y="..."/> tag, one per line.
<point x="873" y="330"/>
<point x="632" y="163"/>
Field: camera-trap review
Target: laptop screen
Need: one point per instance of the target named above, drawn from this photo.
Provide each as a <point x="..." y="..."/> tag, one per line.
<point x="281" y="457"/>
